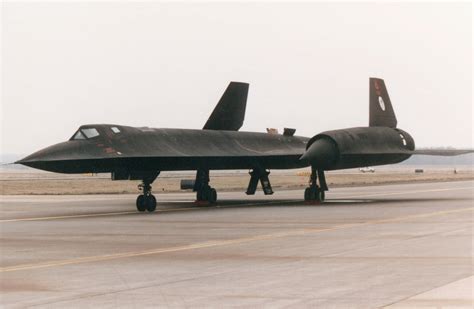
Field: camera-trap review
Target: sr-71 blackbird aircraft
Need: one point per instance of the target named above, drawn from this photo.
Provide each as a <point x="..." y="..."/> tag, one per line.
<point x="130" y="153"/>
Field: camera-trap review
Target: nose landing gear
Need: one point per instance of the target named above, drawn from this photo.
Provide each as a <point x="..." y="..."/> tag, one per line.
<point x="315" y="193"/>
<point x="147" y="201"/>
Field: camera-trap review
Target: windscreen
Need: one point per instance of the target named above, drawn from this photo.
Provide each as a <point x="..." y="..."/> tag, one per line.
<point x="79" y="135"/>
<point x="90" y="132"/>
<point x="85" y="133"/>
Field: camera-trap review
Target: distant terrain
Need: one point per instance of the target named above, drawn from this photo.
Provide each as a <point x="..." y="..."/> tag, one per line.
<point x="466" y="159"/>
<point x="31" y="182"/>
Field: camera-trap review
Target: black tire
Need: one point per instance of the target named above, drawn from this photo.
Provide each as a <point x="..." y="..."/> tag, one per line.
<point x="151" y="203"/>
<point x="206" y="192"/>
<point x="141" y="206"/>
<point x="321" y="196"/>
<point x="313" y="195"/>
<point x="206" y="196"/>
<point x="307" y="194"/>
<point x="212" y="196"/>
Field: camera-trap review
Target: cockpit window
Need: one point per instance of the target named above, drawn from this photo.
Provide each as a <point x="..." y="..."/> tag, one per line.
<point x="85" y="133"/>
<point x="115" y="129"/>
<point x="79" y="135"/>
<point x="90" y="132"/>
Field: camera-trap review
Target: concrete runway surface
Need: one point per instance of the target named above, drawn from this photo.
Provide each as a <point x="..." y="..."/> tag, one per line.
<point x="401" y="246"/>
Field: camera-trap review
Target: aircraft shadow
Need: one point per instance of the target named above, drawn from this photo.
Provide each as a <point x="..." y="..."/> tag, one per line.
<point x="249" y="204"/>
<point x="173" y="207"/>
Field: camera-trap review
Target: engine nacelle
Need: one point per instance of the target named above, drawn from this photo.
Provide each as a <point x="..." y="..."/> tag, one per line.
<point x="358" y="147"/>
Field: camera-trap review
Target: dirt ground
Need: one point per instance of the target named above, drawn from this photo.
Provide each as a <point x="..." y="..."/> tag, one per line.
<point x="41" y="183"/>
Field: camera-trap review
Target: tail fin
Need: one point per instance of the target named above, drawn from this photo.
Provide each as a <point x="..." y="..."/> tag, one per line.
<point x="229" y="113"/>
<point x="381" y="110"/>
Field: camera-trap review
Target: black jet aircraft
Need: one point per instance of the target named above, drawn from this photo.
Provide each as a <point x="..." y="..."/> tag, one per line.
<point x="130" y="153"/>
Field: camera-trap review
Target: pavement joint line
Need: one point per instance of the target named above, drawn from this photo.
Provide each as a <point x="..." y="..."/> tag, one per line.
<point x="427" y="303"/>
<point x="220" y="243"/>
<point x="226" y="206"/>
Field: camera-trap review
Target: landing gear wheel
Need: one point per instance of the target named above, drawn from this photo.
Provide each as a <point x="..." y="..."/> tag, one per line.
<point x="311" y="194"/>
<point x="212" y="197"/>
<point x="147" y="201"/>
<point x="202" y="195"/>
<point x="207" y="195"/>
<point x="321" y="196"/>
<point x="141" y="206"/>
<point x="204" y="192"/>
<point x="316" y="191"/>
<point x="307" y="194"/>
<point x="314" y="194"/>
<point x="151" y="203"/>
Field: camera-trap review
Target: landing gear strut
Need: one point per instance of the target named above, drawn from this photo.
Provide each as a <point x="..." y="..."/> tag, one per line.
<point x="146" y="200"/>
<point x="316" y="192"/>
<point x="204" y="192"/>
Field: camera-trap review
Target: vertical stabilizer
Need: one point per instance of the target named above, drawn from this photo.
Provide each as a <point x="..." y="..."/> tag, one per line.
<point x="229" y="113"/>
<point x="381" y="110"/>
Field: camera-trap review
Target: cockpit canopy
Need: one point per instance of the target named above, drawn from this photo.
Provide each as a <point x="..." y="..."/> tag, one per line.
<point x="84" y="133"/>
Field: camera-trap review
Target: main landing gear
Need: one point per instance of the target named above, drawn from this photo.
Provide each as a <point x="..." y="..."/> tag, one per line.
<point x="204" y="192"/>
<point x="146" y="201"/>
<point x="315" y="192"/>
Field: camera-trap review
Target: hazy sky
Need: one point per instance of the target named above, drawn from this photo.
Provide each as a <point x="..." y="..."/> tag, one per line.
<point x="167" y="64"/>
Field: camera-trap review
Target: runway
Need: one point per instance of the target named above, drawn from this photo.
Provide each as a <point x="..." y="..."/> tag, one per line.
<point x="400" y="246"/>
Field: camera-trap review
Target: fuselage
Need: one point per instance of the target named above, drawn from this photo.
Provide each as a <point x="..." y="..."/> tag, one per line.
<point x="169" y="149"/>
<point x="122" y="149"/>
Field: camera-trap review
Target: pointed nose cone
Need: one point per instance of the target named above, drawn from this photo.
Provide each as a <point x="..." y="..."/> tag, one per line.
<point x="46" y="154"/>
<point x="321" y="153"/>
<point x="34" y="157"/>
<point x="45" y="158"/>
